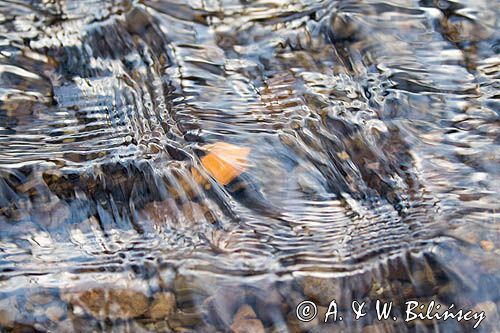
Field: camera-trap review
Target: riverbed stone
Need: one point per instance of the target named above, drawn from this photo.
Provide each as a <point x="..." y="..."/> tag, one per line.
<point x="379" y="327"/>
<point x="54" y="312"/>
<point x="404" y="291"/>
<point x="8" y="312"/>
<point x="163" y="305"/>
<point x="359" y="285"/>
<point x="224" y="304"/>
<point x="424" y="282"/>
<point x="245" y="321"/>
<point x="40" y="298"/>
<point x="464" y="233"/>
<point x="269" y="304"/>
<point x="397" y="268"/>
<point x="316" y="325"/>
<point x="110" y="303"/>
<point x="322" y="290"/>
<point x="183" y="319"/>
<point x="487" y="245"/>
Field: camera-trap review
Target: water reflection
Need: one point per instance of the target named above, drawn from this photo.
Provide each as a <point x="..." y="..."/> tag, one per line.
<point x="206" y="166"/>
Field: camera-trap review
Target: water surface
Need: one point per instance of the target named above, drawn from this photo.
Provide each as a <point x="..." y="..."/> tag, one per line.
<point x="373" y="136"/>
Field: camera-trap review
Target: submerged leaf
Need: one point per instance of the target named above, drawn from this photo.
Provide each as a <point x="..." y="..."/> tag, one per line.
<point x="224" y="162"/>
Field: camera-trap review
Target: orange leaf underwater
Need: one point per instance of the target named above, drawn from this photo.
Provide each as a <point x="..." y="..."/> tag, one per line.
<point x="224" y="162"/>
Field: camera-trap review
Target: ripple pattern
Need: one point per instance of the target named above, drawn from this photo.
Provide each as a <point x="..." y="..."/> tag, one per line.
<point x="373" y="131"/>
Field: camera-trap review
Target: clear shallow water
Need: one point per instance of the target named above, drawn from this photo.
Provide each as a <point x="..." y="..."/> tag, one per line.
<point x="373" y="131"/>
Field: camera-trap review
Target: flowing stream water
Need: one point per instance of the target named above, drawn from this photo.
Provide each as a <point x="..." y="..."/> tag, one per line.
<point x="370" y="134"/>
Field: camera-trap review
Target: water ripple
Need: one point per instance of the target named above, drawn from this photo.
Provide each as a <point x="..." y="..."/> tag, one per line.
<point x="372" y="137"/>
